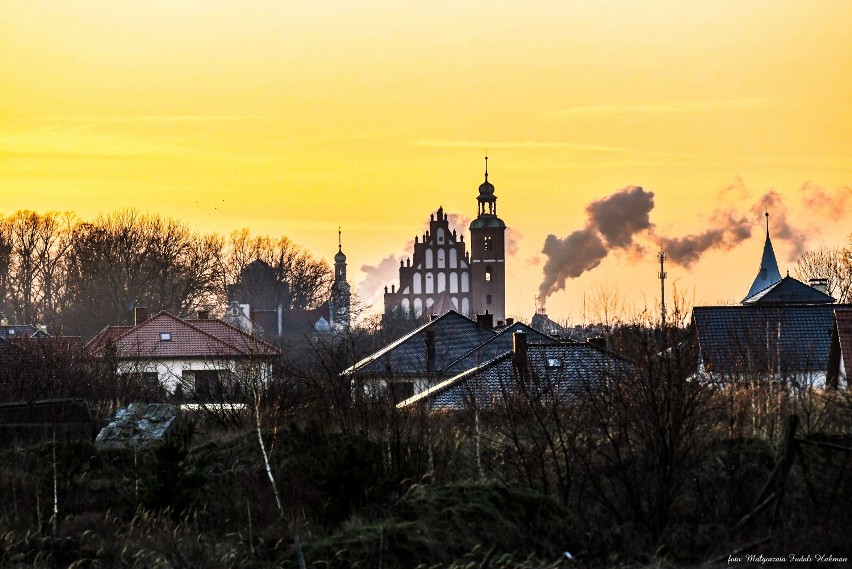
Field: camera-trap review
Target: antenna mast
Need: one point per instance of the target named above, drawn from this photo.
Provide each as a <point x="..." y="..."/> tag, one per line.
<point x="662" y="275"/>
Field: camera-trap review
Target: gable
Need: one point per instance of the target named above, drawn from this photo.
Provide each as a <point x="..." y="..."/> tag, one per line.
<point x="789" y="290"/>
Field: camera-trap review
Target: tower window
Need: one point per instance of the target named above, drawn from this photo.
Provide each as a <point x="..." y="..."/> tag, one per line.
<point x="488" y="274"/>
<point x="487" y="299"/>
<point x="487" y="243"/>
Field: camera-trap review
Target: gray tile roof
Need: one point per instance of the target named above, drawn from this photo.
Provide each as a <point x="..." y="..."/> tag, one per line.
<point x="455" y="336"/>
<point x="789" y="290"/>
<point x="566" y="369"/>
<point x="498" y="344"/>
<point x="765" y="338"/>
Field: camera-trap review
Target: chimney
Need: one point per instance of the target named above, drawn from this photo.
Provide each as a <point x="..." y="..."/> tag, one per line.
<point x="140" y="315"/>
<point x="485" y="320"/>
<point x="509" y="321"/>
<point x="819" y="284"/>
<point x="519" y="354"/>
<point x="597" y="341"/>
<point x="203" y="314"/>
<point x="430" y="350"/>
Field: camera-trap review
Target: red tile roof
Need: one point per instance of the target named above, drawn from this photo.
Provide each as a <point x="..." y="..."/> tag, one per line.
<point x="165" y="336"/>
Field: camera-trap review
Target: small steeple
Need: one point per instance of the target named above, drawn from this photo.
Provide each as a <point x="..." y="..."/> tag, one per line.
<point x="768" y="273"/>
<point x="486" y="165"/>
<point x="340" y="258"/>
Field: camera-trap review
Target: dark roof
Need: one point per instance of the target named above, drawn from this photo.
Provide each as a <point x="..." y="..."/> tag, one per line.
<point x="494" y="346"/>
<point x="186" y="339"/>
<point x="789" y="290"/>
<point x="762" y="338"/>
<point x="567" y="369"/>
<point x="20" y="331"/>
<point x="541" y="322"/>
<point x="455" y="335"/>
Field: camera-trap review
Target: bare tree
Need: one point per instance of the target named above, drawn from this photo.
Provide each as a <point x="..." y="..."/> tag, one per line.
<point x="308" y="279"/>
<point x="125" y="258"/>
<point x="831" y="263"/>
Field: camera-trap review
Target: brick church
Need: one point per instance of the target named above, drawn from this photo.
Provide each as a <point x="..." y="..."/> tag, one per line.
<point x="442" y="275"/>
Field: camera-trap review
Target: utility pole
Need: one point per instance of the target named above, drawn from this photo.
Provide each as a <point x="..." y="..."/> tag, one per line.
<point x="662" y="275"/>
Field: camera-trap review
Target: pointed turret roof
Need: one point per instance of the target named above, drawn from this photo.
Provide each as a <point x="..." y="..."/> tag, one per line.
<point x="768" y="274"/>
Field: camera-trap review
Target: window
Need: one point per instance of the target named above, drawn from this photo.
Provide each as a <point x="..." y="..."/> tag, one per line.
<point x="487" y="243"/>
<point x="554" y="362"/>
<point x="165" y="336"/>
<point x="488" y="274"/>
<point x="487" y="299"/>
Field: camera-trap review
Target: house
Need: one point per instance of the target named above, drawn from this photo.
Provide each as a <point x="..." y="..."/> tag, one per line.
<point x="203" y="357"/>
<point x="781" y="331"/>
<point x="260" y="303"/>
<point x="419" y="359"/>
<point x="549" y="368"/>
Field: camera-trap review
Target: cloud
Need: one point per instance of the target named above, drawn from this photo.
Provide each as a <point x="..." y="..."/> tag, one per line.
<point x="376" y="277"/>
<point x="662" y="108"/>
<point x="521" y="145"/>
<point x="831" y="204"/>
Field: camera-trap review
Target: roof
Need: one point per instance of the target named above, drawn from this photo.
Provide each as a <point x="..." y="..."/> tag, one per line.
<point x="494" y="346"/>
<point x="789" y="290"/>
<point x="455" y="336"/>
<point x="20" y="331"/>
<point x="567" y="368"/>
<point x="541" y="322"/>
<point x="165" y="336"/>
<point x="765" y="338"/>
<point x="768" y="273"/>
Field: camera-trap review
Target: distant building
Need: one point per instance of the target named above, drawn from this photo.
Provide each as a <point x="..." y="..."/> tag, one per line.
<point x="260" y="303"/>
<point x="441" y="275"/>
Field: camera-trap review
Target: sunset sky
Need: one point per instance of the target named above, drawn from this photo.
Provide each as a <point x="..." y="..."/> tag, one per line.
<point x="294" y="118"/>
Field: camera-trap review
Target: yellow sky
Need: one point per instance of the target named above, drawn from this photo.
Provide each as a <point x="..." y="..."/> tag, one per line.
<point x="291" y="118"/>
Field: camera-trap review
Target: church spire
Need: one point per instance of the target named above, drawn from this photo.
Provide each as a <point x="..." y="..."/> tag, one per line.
<point x="768" y="273"/>
<point x="486" y="164"/>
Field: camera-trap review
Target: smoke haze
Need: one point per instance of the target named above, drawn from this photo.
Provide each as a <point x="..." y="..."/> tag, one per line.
<point x="611" y="223"/>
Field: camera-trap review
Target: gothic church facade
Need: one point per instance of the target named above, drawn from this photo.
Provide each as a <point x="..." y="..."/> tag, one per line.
<point x="442" y="275"/>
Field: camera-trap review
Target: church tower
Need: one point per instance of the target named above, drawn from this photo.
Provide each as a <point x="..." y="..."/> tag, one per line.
<point x="768" y="273"/>
<point x="488" y="255"/>
<point x="340" y="295"/>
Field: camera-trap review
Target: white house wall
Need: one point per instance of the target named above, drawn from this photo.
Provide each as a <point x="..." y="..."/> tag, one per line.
<point x="170" y="371"/>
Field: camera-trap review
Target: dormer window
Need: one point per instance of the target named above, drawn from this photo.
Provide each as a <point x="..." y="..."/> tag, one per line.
<point x="554" y="362"/>
<point x="165" y="336"/>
